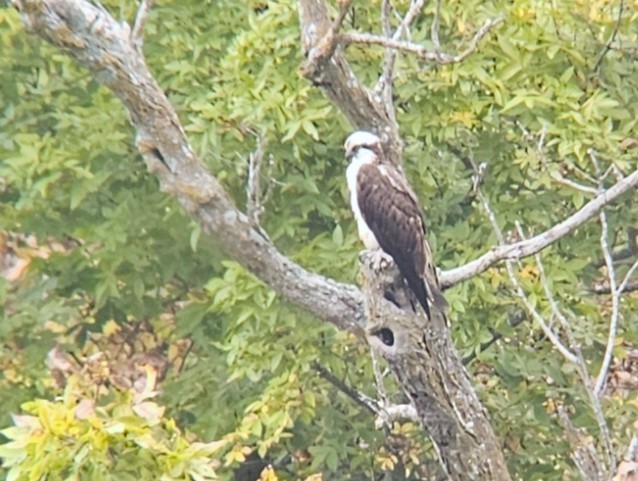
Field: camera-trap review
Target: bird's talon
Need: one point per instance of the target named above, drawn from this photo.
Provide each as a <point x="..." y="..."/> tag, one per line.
<point x="380" y="260"/>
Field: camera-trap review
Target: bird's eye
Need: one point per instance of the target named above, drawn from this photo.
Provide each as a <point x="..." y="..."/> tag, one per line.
<point x="386" y="336"/>
<point x="352" y="152"/>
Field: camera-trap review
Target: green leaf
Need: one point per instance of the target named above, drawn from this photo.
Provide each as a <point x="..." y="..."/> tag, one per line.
<point x="337" y="235"/>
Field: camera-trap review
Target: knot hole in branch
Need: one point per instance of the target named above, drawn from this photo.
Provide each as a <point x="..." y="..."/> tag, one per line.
<point x="393" y="328"/>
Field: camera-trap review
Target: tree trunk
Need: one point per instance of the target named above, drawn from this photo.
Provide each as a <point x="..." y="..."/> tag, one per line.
<point x="421" y="354"/>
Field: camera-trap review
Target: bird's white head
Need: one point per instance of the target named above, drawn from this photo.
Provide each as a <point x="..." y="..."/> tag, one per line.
<point x="361" y="139"/>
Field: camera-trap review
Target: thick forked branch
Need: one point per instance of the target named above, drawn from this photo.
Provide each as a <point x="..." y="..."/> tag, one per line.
<point x="419" y="50"/>
<point x="97" y="41"/>
<point x="326" y="67"/>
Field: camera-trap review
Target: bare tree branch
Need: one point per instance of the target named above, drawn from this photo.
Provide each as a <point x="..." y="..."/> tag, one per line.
<point x="557" y="176"/>
<point x="583" y="452"/>
<point x="588" y="459"/>
<point x="326" y="67"/>
<point x="581" y="365"/>
<point x="385" y="84"/>
<point x="625" y="284"/>
<point x="436" y="24"/>
<point x="616" y="293"/>
<point x="547" y="330"/>
<point x="601" y="379"/>
<point x="137" y="34"/>
<point x="537" y="243"/>
<point x="612" y="37"/>
<point x="419" y="50"/>
<point x="415" y="7"/>
<point x="385" y="413"/>
<point x="625" y="253"/>
<point x="632" y="449"/>
<point x="385" y="17"/>
<point x="602" y="289"/>
<point x="378" y="378"/>
<point x="97" y="41"/>
<point x="344" y="7"/>
<point x="361" y="399"/>
<point x="256" y="197"/>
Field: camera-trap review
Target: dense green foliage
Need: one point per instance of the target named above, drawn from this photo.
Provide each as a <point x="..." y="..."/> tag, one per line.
<point x="109" y="253"/>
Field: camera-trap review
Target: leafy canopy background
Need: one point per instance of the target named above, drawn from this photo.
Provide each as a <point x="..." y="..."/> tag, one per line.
<point x="115" y="266"/>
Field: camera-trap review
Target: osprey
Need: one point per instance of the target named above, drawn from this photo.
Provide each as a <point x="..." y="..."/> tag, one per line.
<point x="389" y="217"/>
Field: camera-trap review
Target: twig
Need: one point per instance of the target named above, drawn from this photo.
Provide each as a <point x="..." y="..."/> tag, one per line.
<point x="344" y="8"/>
<point x="137" y="34"/>
<point x="385" y="83"/>
<point x="580" y="363"/>
<point x="419" y="50"/>
<point x="583" y="453"/>
<point x="436" y="23"/>
<point x="537" y="243"/>
<point x="378" y="378"/>
<point x="385" y="18"/>
<point x="477" y="177"/>
<point x="557" y="176"/>
<point x="630" y="251"/>
<point x="615" y="301"/>
<point x="415" y="8"/>
<point x="632" y="449"/>
<point x="551" y="335"/>
<point x="255" y="198"/>
<point x="496" y="336"/>
<point x="611" y="39"/>
<point x="552" y="301"/>
<point x="326" y="67"/>
<point x="613" y="169"/>
<point x="358" y="397"/>
<point x="601" y="289"/>
<point x="624" y="285"/>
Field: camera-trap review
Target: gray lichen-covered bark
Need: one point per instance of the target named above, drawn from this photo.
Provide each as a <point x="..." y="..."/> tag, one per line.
<point x="422" y="356"/>
<point x="92" y="37"/>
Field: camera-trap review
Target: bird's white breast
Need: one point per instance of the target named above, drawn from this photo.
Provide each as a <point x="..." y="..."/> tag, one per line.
<point x="363" y="157"/>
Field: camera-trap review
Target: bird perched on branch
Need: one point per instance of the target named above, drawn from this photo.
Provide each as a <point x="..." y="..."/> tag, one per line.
<point x="389" y="217"/>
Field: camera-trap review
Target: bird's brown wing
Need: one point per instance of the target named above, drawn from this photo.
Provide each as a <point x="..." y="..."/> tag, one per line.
<point x="392" y="213"/>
